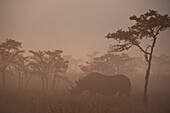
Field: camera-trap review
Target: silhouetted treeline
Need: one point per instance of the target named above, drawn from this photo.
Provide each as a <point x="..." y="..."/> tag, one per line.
<point x="51" y="65"/>
<point x="44" y="64"/>
<point x="111" y="63"/>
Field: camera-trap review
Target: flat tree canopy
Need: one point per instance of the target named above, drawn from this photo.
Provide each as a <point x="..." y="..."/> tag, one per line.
<point x="147" y="26"/>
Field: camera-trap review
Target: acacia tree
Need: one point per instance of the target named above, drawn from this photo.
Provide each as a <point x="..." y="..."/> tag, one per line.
<point x="118" y="61"/>
<point x="46" y="63"/>
<point x="109" y="63"/>
<point x="90" y="64"/>
<point x="148" y="26"/>
<point x="9" y="50"/>
<point x="60" y="66"/>
<point x="21" y="67"/>
<point x="73" y="65"/>
<point x="56" y="64"/>
<point x="40" y="66"/>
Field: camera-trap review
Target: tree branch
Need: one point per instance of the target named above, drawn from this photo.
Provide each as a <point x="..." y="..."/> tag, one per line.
<point x="157" y="32"/>
<point x="142" y="49"/>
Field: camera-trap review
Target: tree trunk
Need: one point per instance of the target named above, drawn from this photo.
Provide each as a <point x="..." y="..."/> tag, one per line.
<point x="148" y="73"/>
<point x="25" y="81"/>
<point x="46" y="82"/>
<point x="22" y="82"/>
<point x="53" y="82"/>
<point x="3" y="80"/>
<point x="28" y="80"/>
<point x="118" y="69"/>
<point x="19" y="82"/>
<point x="43" y="83"/>
<point x="146" y="82"/>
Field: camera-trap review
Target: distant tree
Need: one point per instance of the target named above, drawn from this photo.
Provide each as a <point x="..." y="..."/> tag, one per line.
<point x="58" y="64"/>
<point x="92" y="56"/>
<point x="133" y="66"/>
<point x="73" y="65"/>
<point x="161" y="65"/>
<point x="9" y="50"/>
<point x="20" y="67"/>
<point x="119" y="61"/>
<point x="147" y="26"/>
<point x="109" y="63"/>
<point x="45" y="63"/>
<point x="90" y="63"/>
<point x="39" y="65"/>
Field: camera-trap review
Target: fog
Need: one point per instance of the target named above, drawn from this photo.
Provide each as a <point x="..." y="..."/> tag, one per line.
<point x="77" y="27"/>
<point x="89" y="56"/>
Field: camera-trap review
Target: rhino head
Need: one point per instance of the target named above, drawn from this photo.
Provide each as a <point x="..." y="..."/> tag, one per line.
<point x="75" y="90"/>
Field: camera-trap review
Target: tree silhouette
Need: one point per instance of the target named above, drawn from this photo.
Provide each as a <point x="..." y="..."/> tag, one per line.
<point x="45" y="63"/>
<point x="21" y="68"/>
<point x="147" y="26"/>
<point x="58" y="64"/>
<point x="109" y="63"/>
<point x="73" y="65"/>
<point x="39" y="66"/>
<point x="9" y="50"/>
<point x="91" y="64"/>
<point x="161" y="65"/>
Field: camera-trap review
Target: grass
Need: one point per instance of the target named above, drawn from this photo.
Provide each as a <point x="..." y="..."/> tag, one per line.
<point x="34" y="101"/>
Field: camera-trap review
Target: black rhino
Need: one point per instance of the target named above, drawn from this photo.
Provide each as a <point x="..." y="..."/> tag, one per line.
<point x="102" y="84"/>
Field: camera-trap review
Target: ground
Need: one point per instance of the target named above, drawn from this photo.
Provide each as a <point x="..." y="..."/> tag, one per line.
<point x="38" y="101"/>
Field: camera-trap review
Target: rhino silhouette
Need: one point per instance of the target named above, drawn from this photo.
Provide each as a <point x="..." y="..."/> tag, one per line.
<point x="102" y="84"/>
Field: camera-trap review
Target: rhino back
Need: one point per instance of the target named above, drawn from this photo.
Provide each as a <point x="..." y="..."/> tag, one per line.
<point x="122" y="83"/>
<point x="98" y="82"/>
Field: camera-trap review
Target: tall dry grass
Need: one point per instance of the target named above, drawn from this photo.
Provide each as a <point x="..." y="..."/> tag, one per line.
<point x="37" y="101"/>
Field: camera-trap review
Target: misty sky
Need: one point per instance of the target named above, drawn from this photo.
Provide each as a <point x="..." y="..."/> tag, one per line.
<point x="76" y="26"/>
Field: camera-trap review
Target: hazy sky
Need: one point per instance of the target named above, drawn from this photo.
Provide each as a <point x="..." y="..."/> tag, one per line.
<point x="76" y="26"/>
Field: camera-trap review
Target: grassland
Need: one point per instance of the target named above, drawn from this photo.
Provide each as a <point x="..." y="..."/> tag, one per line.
<point x="37" y="101"/>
